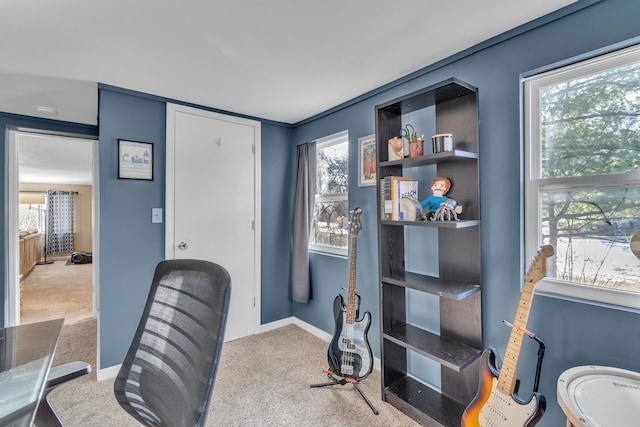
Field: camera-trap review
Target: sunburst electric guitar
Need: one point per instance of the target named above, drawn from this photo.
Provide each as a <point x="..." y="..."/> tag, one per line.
<point x="349" y="353"/>
<point x="496" y="404"/>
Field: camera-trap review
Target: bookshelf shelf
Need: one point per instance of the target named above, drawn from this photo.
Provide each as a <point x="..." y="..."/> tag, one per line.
<point x="422" y="402"/>
<point x="451" y="353"/>
<point x="432" y="159"/>
<point x="433" y="285"/>
<point x="437" y="224"/>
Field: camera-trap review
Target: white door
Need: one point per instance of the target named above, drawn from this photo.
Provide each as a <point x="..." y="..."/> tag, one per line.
<point x="212" y="202"/>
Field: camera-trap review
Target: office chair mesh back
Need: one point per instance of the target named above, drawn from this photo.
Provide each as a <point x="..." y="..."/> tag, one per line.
<point x="168" y="373"/>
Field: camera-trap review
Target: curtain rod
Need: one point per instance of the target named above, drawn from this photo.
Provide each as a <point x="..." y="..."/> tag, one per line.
<point x="44" y="191"/>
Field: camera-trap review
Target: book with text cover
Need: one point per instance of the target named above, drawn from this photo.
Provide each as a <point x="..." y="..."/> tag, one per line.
<point x="396" y="198"/>
<point x="406" y="189"/>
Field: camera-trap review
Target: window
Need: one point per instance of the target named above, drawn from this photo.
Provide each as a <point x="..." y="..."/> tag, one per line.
<point x="582" y="165"/>
<point x="330" y="228"/>
<point x="31" y="211"/>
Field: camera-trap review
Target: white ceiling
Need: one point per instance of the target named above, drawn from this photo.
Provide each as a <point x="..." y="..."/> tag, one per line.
<point x="47" y="159"/>
<point x="282" y="60"/>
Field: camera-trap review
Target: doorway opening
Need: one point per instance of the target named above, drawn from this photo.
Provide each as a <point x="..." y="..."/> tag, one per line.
<point x="52" y="268"/>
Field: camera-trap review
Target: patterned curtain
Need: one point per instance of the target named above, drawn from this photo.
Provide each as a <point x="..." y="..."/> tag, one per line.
<point x="59" y="238"/>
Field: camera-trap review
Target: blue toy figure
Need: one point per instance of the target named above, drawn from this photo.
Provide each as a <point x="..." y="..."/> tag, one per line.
<point x="439" y="186"/>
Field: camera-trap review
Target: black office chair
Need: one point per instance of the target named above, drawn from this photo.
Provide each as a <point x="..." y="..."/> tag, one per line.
<point x="167" y="376"/>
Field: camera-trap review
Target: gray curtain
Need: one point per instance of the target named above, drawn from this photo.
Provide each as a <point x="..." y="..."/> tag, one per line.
<point x="302" y="220"/>
<point x="59" y="237"/>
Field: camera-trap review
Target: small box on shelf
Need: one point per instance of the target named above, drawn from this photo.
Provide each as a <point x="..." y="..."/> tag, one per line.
<point x="396" y="149"/>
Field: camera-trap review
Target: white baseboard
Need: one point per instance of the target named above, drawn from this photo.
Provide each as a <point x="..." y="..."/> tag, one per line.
<point x="300" y="323"/>
<point x="277" y="324"/>
<point x="107" y="373"/>
<point x="308" y="328"/>
<point x="112" y="371"/>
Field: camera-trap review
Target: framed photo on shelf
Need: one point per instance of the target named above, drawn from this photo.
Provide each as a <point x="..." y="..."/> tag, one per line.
<point x="367" y="161"/>
<point x="135" y="160"/>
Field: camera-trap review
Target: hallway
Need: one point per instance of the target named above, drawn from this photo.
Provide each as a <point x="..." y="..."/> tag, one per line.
<point x="60" y="289"/>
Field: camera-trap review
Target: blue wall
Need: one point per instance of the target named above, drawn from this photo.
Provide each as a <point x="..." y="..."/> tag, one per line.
<point x="131" y="246"/>
<point x="277" y="178"/>
<point x="575" y="333"/>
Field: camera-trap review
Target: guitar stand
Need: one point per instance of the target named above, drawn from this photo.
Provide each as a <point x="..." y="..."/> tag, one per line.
<point x="343" y="381"/>
<point x="539" y="365"/>
<point x="541" y="349"/>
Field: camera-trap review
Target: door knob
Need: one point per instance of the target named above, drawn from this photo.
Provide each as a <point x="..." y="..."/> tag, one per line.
<point x="182" y="246"/>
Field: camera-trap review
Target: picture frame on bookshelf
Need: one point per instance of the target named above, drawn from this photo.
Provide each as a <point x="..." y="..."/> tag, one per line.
<point x="135" y="160"/>
<point x="367" y="161"/>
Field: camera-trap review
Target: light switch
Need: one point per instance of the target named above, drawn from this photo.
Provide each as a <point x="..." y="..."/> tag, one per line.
<point x="156" y="215"/>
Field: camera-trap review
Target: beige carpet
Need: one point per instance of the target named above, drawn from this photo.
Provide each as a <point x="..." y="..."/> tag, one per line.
<point x="57" y="290"/>
<point x="263" y="380"/>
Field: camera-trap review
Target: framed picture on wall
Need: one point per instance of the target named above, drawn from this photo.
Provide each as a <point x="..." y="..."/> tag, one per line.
<point x="367" y="161"/>
<point x="135" y="160"/>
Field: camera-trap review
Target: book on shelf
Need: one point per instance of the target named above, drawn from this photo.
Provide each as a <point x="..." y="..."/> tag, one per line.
<point x="385" y="198"/>
<point x="405" y="189"/>
<point x="390" y="195"/>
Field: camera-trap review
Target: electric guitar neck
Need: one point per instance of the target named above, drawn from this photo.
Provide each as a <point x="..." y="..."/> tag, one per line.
<point x="537" y="271"/>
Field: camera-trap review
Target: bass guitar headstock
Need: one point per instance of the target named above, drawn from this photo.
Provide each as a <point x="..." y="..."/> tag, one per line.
<point x="356" y="225"/>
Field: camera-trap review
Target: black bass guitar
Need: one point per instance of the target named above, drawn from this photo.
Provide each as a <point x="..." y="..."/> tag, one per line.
<point x="349" y="352"/>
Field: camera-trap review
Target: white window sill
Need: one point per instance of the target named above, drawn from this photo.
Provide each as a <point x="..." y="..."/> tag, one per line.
<point x="604" y="297"/>
<point x="327" y="250"/>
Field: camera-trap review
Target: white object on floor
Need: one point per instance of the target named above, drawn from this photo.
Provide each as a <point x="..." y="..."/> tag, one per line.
<point x="599" y="396"/>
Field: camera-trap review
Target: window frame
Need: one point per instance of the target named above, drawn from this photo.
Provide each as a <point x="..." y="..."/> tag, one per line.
<point x="328" y="141"/>
<point x="591" y="63"/>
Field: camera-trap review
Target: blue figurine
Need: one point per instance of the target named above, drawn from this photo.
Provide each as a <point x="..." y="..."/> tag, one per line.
<point x="440" y="186"/>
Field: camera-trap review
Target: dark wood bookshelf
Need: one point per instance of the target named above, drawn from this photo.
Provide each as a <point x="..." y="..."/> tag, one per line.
<point x="456" y="345"/>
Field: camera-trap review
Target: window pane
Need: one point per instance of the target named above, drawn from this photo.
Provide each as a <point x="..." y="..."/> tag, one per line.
<point x="329" y="231"/>
<point x="591" y="231"/>
<point x="589" y="125"/>
<point x="31" y="216"/>
<point x="332" y="166"/>
<point x="330" y="224"/>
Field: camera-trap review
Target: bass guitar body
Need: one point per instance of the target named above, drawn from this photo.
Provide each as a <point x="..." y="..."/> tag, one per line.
<point x="349" y="353"/>
<point x="492" y="408"/>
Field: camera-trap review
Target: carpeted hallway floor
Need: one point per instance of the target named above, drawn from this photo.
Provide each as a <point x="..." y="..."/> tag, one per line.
<point x="57" y="290"/>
